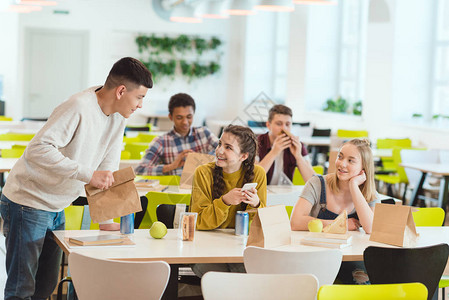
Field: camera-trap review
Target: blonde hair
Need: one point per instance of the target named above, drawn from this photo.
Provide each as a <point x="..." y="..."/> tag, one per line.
<point x="368" y="188"/>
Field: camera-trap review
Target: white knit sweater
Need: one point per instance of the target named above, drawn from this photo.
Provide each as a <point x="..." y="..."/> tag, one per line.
<point x="77" y="139"/>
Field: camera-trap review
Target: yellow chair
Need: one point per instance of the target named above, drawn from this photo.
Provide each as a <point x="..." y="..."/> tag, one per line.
<point x="398" y="291"/>
<point x="343" y="133"/>
<point x="130" y="140"/>
<point x="73" y="217"/>
<point x="3" y="118"/>
<point x="16" y="137"/>
<point x="388" y="165"/>
<point x="137" y="150"/>
<point x="12" y="153"/>
<point x="156" y="198"/>
<point x="432" y="216"/>
<point x="298" y="180"/>
<point x="145" y="137"/>
<point x="396" y="178"/>
<point x="163" y="179"/>
<point x="125" y="155"/>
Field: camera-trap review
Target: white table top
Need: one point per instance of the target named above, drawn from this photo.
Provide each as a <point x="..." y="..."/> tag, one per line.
<point x="315" y="140"/>
<point x="437" y="169"/>
<point x="6" y="164"/>
<point x="220" y="246"/>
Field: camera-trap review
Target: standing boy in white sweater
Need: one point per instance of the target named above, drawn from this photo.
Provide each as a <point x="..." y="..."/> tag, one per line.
<point x="80" y="143"/>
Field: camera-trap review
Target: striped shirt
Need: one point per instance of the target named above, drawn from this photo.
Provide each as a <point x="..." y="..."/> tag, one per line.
<point x="164" y="149"/>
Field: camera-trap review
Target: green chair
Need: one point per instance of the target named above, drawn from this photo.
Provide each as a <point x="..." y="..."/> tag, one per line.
<point x="73" y="217"/>
<point x="136" y="150"/>
<point x="163" y="179"/>
<point x="388" y="165"/>
<point x="397" y="291"/>
<point x="145" y="137"/>
<point x="12" y="153"/>
<point x="130" y="140"/>
<point x="343" y="133"/>
<point x="16" y="137"/>
<point x="400" y="177"/>
<point x="432" y="216"/>
<point x="298" y="180"/>
<point x="125" y="155"/>
<point x="156" y="198"/>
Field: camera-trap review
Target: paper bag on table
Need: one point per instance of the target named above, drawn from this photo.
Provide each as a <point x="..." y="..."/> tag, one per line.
<point x="270" y="227"/>
<point x="119" y="200"/>
<point x="193" y="160"/>
<point x="394" y="225"/>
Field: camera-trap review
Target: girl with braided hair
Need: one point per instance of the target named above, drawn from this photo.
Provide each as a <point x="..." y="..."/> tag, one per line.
<point x="216" y="192"/>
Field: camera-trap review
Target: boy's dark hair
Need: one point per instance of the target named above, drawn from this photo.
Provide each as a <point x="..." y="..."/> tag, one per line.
<point x="280" y="110"/>
<point x="129" y="72"/>
<point x="180" y="100"/>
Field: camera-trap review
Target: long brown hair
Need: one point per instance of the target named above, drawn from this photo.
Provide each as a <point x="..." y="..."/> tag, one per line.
<point x="248" y="144"/>
<point x="368" y="188"/>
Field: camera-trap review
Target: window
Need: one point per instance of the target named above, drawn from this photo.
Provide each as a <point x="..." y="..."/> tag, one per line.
<point x="440" y="82"/>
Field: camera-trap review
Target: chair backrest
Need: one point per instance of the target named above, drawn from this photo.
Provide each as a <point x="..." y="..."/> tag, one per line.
<point x="166" y="213"/>
<point x="137" y="150"/>
<point x="95" y="278"/>
<point x="405" y="291"/>
<point x="297" y="177"/>
<point x="323" y="264"/>
<point x="163" y="179"/>
<point x="12" y="153"/>
<point x="225" y="285"/>
<point x="343" y="133"/>
<point x="388" y="162"/>
<point x="417" y="155"/>
<point x="428" y="216"/>
<point x="125" y="155"/>
<point x="404" y="265"/>
<point x="146" y="137"/>
<point x="73" y="217"/>
<point x="321" y="132"/>
<point x="16" y="136"/>
<point x="157" y="198"/>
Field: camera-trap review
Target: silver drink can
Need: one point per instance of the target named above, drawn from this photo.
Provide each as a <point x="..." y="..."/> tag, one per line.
<point x="127" y="224"/>
<point x="241" y="223"/>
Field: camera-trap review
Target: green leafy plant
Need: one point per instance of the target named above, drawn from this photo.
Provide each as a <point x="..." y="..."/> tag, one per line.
<point x="339" y="105"/>
<point x="416" y="115"/>
<point x="357" y="108"/>
<point x="163" y="52"/>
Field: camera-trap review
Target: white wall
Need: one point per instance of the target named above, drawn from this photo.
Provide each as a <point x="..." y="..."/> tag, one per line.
<point x="113" y="26"/>
<point x="9" y="61"/>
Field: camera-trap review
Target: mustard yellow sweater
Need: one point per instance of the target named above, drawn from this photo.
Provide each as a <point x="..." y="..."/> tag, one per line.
<point x="214" y="213"/>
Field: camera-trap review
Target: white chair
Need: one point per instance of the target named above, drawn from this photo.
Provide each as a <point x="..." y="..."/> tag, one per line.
<point x="225" y="286"/>
<point x="323" y="264"/>
<point x="95" y="278"/>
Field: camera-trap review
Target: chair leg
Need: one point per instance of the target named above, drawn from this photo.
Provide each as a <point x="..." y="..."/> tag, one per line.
<point x="443" y="296"/>
<point x="405" y="192"/>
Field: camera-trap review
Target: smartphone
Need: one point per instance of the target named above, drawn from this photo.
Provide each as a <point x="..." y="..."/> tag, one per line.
<point x="249" y="186"/>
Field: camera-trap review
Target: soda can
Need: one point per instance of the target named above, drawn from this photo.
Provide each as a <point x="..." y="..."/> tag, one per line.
<point x="127" y="224"/>
<point x="241" y="223"/>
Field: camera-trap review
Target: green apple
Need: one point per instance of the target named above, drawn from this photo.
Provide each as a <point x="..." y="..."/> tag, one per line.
<point x="315" y="225"/>
<point x="158" y="230"/>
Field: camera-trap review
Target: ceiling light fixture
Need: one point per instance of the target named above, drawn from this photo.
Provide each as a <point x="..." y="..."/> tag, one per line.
<point x="213" y="9"/>
<point x="38" y="2"/>
<point x="276" y="5"/>
<point x="23" y="8"/>
<point x="241" y="8"/>
<point x="320" y="2"/>
<point x="183" y="13"/>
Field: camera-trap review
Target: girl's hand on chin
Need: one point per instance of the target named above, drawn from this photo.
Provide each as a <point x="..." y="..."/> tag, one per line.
<point x="358" y="179"/>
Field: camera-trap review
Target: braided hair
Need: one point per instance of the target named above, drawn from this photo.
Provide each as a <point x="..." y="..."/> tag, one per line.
<point x="248" y="144"/>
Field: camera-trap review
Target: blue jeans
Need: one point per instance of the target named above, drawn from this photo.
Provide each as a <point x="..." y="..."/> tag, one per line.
<point x="32" y="255"/>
